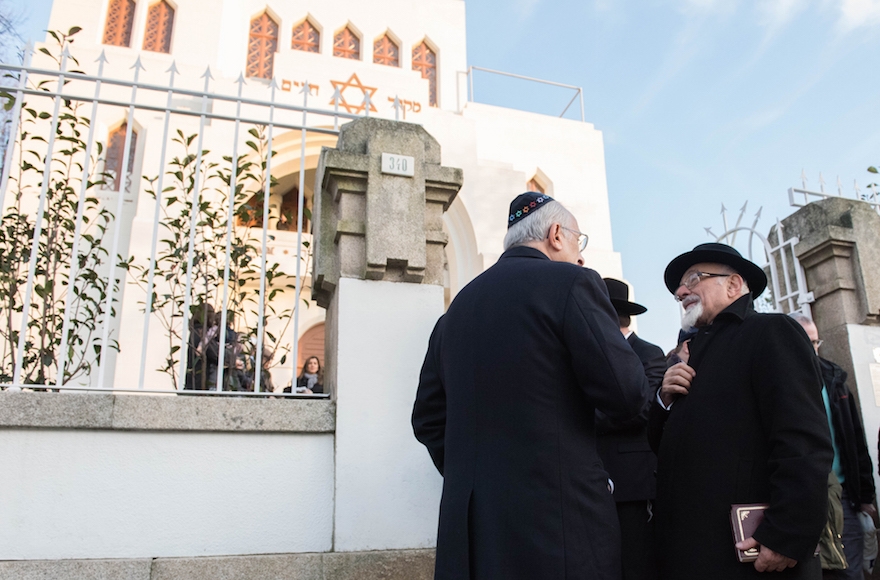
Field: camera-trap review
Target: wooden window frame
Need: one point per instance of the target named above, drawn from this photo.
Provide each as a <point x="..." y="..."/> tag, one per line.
<point x="263" y="67"/>
<point x="161" y="16"/>
<point x="305" y="42"/>
<point x="423" y="64"/>
<point x="343" y="41"/>
<point x="119" y="26"/>
<point x="116" y="153"/>
<point x="386" y="51"/>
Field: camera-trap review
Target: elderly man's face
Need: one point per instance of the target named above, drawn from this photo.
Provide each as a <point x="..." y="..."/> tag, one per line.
<point x="708" y="297"/>
<point x="813" y="333"/>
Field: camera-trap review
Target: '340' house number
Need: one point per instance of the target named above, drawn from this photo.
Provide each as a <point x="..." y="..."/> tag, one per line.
<point x="398" y="164"/>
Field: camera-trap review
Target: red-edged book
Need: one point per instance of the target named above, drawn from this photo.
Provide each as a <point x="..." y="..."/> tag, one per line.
<point x="745" y="519"/>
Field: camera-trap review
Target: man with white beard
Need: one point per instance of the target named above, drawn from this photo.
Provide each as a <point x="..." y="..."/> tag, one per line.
<point x="742" y="422"/>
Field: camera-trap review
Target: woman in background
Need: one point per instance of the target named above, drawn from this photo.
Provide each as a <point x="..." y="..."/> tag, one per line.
<point x="311" y="380"/>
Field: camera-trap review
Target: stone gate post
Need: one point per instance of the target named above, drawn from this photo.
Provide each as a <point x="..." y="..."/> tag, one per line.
<point x="839" y="249"/>
<point x="379" y="270"/>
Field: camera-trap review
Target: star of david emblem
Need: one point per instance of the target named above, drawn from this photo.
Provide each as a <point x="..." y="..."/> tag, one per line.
<point x="354" y="83"/>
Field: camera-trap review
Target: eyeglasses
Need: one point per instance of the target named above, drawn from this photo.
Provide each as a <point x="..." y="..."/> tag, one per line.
<point x="817" y="343"/>
<point x="691" y="280"/>
<point x="583" y="239"/>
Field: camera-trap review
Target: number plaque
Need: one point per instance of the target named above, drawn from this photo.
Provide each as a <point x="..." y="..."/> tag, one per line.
<point x="398" y="164"/>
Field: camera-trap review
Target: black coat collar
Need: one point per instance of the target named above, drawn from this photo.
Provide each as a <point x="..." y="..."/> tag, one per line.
<point x="524" y="252"/>
<point x="739" y="309"/>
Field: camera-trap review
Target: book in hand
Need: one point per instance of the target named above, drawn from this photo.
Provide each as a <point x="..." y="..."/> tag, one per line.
<point x="745" y="519"/>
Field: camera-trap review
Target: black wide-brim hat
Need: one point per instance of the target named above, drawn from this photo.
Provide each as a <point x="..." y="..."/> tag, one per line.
<point x="618" y="292"/>
<point x="715" y="253"/>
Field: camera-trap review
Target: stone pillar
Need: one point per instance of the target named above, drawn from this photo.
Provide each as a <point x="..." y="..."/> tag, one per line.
<point x="839" y="249"/>
<point x="378" y="269"/>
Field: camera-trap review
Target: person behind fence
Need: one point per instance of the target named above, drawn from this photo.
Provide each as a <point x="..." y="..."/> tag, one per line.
<point x="742" y="422"/>
<point x="266" y="383"/>
<point x="626" y="455"/>
<point x="311" y="379"/>
<point x="203" y="352"/>
<point x="506" y="402"/>
<point x="235" y="377"/>
<point x="852" y="464"/>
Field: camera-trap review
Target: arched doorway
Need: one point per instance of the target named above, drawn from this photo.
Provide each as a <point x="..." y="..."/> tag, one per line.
<point x="311" y="344"/>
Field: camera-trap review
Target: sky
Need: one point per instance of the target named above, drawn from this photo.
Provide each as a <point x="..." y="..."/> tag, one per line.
<point x="700" y="102"/>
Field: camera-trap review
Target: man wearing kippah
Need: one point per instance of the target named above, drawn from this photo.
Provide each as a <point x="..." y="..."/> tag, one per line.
<point x="506" y="403"/>
<point x="740" y="423"/>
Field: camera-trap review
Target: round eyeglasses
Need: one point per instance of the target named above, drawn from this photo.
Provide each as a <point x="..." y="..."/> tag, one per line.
<point x="691" y="280"/>
<point x="583" y="239"/>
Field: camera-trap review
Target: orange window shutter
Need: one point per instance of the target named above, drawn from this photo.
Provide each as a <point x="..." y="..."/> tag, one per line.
<point x="425" y="61"/>
<point x="120" y="21"/>
<point x="160" y="20"/>
<point x="262" y="45"/>
<point x="385" y="52"/>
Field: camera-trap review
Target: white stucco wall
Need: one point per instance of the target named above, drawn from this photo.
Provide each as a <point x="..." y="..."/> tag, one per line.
<point x="387" y="489"/>
<point x="120" y="494"/>
<point x="864" y="342"/>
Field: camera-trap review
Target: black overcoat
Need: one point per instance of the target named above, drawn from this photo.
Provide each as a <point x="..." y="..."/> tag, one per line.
<point x="623" y="445"/>
<point x="849" y="436"/>
<point x="506" y="402"/>
<point x="751" y="429"/>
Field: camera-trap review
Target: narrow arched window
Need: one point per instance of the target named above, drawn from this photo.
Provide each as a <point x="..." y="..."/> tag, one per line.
<point x="425" y="60"/>
<point x="262" y="44"/>
<point x="386" y="52"/>
<point x="115" y="156"/>
<point x="346" y="44"/>
<point x="305" y="37"/>
<point x="120" y="21"/>
<point x="160" y="20"/>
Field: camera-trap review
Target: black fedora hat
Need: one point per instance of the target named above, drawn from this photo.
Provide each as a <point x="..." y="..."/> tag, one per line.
<point x="715" y="253"/>
<point x="618" y="292"/>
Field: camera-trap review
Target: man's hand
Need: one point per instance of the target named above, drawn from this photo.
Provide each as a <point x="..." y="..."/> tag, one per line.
<point x="768" y="560"/>
<point x="676" y="382"/>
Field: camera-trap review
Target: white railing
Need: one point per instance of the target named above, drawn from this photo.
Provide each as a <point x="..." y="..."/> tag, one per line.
<point x="578" y="91"/>
<point x="51" y="93"/>
<point x="801" y="196"/>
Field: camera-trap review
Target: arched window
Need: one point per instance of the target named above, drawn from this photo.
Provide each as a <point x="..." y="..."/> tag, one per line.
<point x="120" y="20"/>
<point x="346" y="44"/>
<point x="534" y="185"/>
<point x="262" y="44"/>
<point x="250" y="213"/>
<point x="160" y="20"/>
<point x="425" y="61"/>
<point x="305" y="37"/>
<point x="115" y="155"/>
<point x="386" y="52"/>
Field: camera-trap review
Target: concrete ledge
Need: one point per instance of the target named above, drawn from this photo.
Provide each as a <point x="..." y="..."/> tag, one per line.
<point x="378" y="565"/>
<point x="76" y="569"/>
<point x="272" y="567"/>
<point x="164" y="413"/>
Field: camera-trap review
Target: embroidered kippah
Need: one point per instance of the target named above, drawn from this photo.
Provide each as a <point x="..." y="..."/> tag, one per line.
<point x="525" y="204"/>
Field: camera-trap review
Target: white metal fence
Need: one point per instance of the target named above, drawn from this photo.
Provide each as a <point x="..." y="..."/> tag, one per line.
<point x="254" y="106"/>
<point x="801" y="196"/>
<point x="787" y="282"/>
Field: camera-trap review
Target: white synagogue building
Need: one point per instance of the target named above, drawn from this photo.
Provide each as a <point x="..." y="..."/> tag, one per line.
<point x="100" y="482"/>
<point x="388" y="50"/>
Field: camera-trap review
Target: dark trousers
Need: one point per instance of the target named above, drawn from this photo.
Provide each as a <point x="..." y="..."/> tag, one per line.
<point x="637" y="540"/>
<point x="853" y="544"/>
